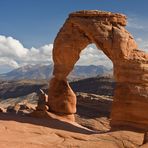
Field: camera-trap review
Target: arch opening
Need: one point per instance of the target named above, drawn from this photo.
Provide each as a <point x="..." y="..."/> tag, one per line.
<point x="93" y="73"/>
<point x="92" y="63"/>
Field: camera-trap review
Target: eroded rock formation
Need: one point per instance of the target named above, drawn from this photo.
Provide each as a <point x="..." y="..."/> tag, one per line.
<point x="106" y="30"/>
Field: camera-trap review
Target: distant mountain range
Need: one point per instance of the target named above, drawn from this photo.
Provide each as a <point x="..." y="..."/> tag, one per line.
<point x="34" y="72"/>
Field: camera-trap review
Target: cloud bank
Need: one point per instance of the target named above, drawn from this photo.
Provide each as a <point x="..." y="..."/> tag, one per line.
<point x="13" y="55"/>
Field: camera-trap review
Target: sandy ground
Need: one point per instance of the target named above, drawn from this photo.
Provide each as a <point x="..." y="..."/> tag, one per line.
<point x="27" y="132"/>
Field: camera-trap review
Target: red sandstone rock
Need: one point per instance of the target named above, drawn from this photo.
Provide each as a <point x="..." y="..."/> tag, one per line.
<point x="1" y="110"/>
<point x="43" y="98"/>
<point x="61" y="98"/>
<point x="27" y="132"/>
<point x="106" y="30"/>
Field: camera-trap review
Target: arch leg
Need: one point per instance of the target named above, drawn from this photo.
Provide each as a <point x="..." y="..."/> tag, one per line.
<point x="67" y="47"/>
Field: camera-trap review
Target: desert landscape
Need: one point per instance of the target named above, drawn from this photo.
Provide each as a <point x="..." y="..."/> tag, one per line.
<point x="90" y="129"/>
<point x="93" y="107"/>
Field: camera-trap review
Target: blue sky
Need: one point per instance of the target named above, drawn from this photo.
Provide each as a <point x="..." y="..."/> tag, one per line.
<point x="35" y="23"/>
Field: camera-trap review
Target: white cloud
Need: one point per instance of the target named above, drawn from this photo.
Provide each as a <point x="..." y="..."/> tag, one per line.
<point x="139" y="40"/>
<point x="11" y="47"/>
<point x="138" y="27"/>
<point x="13" y="54"/>
<point x="136" y="23"/>
<point x="93" y="56"/>
<point x="7" y="64"/>
<point x="132" y="24"/>
<point x="5" y="61"/>
<point x="142" y="43"/>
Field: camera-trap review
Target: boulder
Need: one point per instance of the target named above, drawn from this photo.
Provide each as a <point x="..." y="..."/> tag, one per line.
<point x="1" y="110"/>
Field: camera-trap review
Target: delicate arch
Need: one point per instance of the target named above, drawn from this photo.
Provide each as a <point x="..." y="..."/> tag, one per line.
<point x="107" y="31"/>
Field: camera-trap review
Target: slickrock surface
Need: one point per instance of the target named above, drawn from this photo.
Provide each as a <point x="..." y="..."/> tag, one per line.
<point x="50" y="130"/>
<point x="107" y="31"/>
<point x="28" y="132"/>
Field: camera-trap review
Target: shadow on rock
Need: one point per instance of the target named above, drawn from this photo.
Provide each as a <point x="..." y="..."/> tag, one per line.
<point x="50" y="123"/>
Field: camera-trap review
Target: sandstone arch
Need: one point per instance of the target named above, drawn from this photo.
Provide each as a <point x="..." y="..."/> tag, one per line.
<point x="106" y="30"/>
